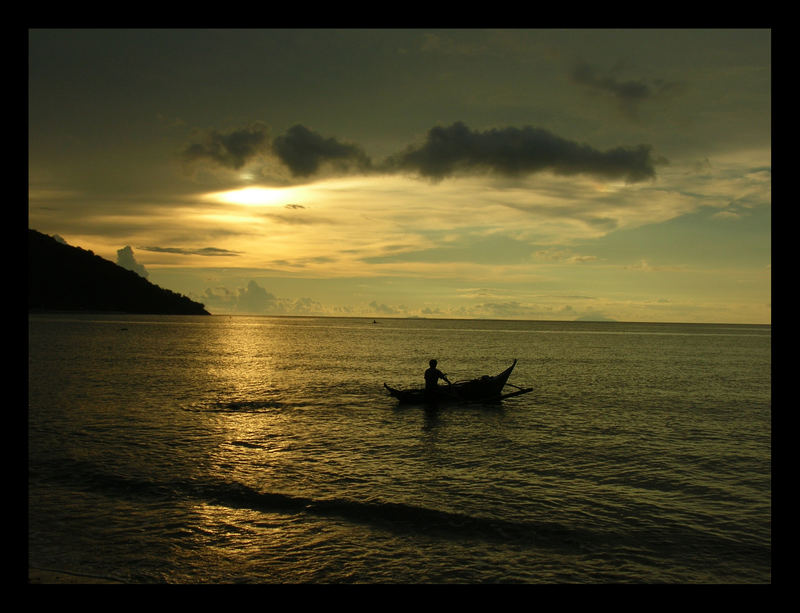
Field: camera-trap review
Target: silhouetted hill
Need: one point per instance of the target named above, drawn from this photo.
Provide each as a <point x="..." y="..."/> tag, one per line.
<point x="65" y="278"/>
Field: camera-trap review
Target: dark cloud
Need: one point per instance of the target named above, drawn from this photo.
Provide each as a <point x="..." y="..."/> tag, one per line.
<point x="629" y="94"/>
<point x="519" y="151"/>
<point x="231" y="150"/>
<point x="447" y="151"/>
<point x="305" y="151"/>
<point x="629" y="90"/>
<point x="207" y="251"/>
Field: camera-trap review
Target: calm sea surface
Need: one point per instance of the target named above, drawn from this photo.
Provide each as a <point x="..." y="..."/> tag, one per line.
<point x="265" y="450"/>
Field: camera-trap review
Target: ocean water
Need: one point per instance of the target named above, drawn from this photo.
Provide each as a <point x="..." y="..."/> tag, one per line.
<point x="265" y="450"/>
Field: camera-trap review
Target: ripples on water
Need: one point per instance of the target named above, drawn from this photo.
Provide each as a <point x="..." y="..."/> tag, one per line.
<point x="266" y="450"/>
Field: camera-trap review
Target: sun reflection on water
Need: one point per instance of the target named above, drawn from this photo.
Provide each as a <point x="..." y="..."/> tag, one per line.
<point x="241" y="356"/>
<point x="243" y="399"/>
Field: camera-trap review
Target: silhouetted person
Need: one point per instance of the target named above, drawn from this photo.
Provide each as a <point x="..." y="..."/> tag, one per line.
<point x="432" y="376"/>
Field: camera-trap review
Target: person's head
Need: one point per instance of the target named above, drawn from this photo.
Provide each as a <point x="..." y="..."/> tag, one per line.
<point x="433" y="363"/>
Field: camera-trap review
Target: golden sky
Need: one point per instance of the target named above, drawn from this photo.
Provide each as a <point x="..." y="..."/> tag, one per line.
<point x="527" y="174"/>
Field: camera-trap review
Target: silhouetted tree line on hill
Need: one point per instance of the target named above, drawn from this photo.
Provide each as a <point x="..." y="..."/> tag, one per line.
<point x="66" y="278"/>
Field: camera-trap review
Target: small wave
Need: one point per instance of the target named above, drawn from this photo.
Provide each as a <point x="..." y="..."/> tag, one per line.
<point x="667" y="537"/>
<point x="246" y="444"/>
<point x="386" y="515"/>
<point x="395" y="516"/>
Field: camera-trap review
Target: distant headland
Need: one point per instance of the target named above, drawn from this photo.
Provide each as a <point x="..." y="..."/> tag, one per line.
<point x="66" y="278"/>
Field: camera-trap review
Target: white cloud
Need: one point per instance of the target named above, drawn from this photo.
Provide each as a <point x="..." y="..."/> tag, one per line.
<point x="126" y="259"/>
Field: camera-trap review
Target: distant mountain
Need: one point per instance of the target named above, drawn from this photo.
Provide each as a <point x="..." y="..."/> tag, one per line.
<point x="65" y="278"/>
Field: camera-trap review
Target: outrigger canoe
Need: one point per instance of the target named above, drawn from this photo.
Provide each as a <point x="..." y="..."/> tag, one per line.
<point x="481" y="389"/>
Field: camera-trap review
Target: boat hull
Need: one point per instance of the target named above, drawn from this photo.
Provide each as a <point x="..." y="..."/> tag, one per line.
<point x="480" y="389"/>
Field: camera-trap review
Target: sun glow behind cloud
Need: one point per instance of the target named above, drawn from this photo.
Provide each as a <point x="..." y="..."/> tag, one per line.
<point x="365" y="225"/>
<point x="401" y="225"/>
<point x="260" y="196"/>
